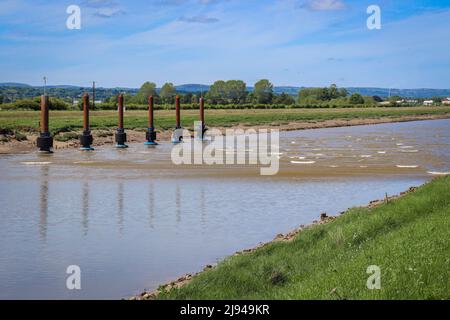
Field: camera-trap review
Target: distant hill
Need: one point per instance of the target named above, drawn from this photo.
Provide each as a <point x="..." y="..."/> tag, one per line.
<point x="409" y="93"/>
<point x="381" y="92"/>
<point x="14" y="84"/>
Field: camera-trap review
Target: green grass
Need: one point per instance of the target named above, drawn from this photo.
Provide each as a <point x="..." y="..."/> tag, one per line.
<point x="66" y="121"/>
<point x="63" y="137"/>
<point x="409" y="239"/>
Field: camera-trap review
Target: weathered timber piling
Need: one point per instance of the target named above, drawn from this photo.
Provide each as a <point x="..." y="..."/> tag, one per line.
<point x="45" y="140"/>
<point x="178" y="112"/>
<point x="86" y="138"/>
<point x="177" y="135"/>
<point x="151" y="133"/>
<point x="121" y="136"/>
<point x="203" y="128"/>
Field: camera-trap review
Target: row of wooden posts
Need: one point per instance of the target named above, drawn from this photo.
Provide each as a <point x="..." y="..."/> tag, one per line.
<point x="45" y="140"/>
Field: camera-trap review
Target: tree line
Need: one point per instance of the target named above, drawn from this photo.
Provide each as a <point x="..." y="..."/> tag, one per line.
<point x="231" y="94"/>
<point x="235" y="92"/>
<point x="220" y="93"/>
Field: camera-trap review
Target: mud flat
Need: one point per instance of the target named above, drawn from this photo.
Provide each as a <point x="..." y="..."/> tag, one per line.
<point x="106" y="136"/>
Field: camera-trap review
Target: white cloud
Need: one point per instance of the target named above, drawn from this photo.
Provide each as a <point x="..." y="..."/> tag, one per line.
<point x="199" y="19"/>
<point x="109" y="12"/>
<point x="324" y="5"/>
<point x="99" y="3"/>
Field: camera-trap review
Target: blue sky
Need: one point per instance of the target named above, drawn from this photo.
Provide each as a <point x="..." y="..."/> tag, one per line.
<point x="291" y="42"/>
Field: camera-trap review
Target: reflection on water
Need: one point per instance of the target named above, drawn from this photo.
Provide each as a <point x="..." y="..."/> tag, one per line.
<point x="85" y="206"/>
<point x="131" y="228"/>
<point x="43" y="203"/>
<point x="120" y="201"/>
<point x="178" y="203"/>
<point x="151" y="204"/>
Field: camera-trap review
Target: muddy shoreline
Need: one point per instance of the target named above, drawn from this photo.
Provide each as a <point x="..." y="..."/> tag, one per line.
<point x="103" y="137"/>
<point x="324" y="218"/>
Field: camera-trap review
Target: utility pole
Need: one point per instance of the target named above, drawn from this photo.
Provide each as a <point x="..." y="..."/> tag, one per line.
<point x="93" y="95"/>
<point x="45" y="85"/>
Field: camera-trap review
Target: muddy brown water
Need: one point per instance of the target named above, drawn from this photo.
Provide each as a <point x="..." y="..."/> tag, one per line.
<point x="131" y="220"/>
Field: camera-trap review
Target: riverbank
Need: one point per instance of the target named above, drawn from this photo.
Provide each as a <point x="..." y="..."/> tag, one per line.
<point x="405" y="236"/>
<point x="19" y="131"/>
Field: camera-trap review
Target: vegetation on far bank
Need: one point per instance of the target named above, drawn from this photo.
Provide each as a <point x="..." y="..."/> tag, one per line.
<point x="407" y="238"/>
<point x="68" y="121"/>
<point x="231" y="94"/>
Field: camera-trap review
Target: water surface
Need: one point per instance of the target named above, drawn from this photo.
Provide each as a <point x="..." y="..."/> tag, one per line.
<point x="131" y="220"/>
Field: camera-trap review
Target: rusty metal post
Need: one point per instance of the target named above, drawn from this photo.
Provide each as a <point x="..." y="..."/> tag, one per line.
<point x="44" y="114"/>
<point x="202" y="117"/>
<point x="86" y="138"/>
<point x="178" y="115"/>
<point x="202" y="110"/>
<point x="151" y="133"/>
<point x="45" y="140"/>
<point x="177" y="135"/>
<point x="120" y="110"/>
<point x="121" y="136"/>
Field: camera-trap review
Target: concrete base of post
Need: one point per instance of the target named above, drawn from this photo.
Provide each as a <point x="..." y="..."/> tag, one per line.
<point x="177" y="136"/>
<point x="45" y="143"/>
<point x="121" y="139"/>
<point x="86" y="141"/>
<point x="151" y="137"/>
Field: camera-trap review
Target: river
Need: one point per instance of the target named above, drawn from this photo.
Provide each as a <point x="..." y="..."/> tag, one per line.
<point x="131" y="220"/>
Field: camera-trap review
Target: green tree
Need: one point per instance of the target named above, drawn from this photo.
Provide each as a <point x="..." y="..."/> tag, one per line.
<point x="319" y="95"/>
<point x="356" y="98"/>
<point x="437" y="99"/>
<point x="186" y="98"/>
<point x="309" y="95"/>
<point x="333" y="92"/>
<point x="284" y="99"/>
<point x="324" y="94"/>
<point x="343" y="92"/>
<point x="263" y="91"/>
<point x="168" y="93"/>
<point x="146" y="90"/>
<point x="1" y="99"/>
<point x="235" y="91"/>
<point x="393" y="100"/>
<point x="250" y="98"/>
<point x="217" y="92"/>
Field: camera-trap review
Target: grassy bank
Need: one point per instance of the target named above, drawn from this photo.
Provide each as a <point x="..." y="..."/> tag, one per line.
<point x="407" y="238"/>
<point x="66" y="121"/>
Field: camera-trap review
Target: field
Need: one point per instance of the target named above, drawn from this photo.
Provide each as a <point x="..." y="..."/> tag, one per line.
<point x="407" y="238"/>
<point x="66" y="121"/>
